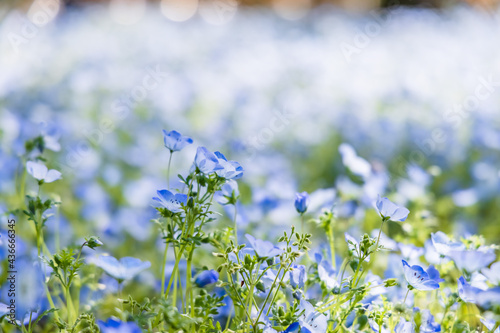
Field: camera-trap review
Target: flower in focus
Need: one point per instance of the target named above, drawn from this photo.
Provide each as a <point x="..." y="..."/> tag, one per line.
<point x="301" y="202"/>
<point x="39" y="171"/>
<point x="263" y="249"/>
<point x="175" y="141"/>
<point x="116" y="326"/>
<point x="124" y="269"/>
<point x="472" y="260"/>
<point x="230" y="169"/>
<point x="419" y="279"/>
<point x="390" y="211"/>
<point x="172" y="202"/>
<point x="206" y="277"/>
<point x="206" y="161"/>
<point x="444" y="245"/>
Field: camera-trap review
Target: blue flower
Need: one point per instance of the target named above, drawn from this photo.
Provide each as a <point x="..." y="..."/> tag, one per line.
<point x="310" y="320"/>
<point x="301" y="202"/>
<point x="493" y="273"/>
<point x="230" y="169"/>
<point x="490" y="325"/>
<point x="228" y="194"/>
<point x="39" y="171"/>
<point x="488" y="298"/>
<point x="444" y="245"/>
<point x="293" y="328"/>
<point x="298" y="276"/>
<point x="172" y="202"/>
<point x="357" y="165"/>
<point x="419" y="279"/>
<point x="404" y="326"/>
<point x="472" y="260"/>
<point x="428" y="324"/>
<point x="467" y="292"/>
<point x="206" y="277"/>
<point x="116" y="326"/>
<point x="125" y="269"/>
<point x="263" y="249"/>
<point x="206" y="161"/>
<point x="175" y="141"/>
<point x="390" y="211"/>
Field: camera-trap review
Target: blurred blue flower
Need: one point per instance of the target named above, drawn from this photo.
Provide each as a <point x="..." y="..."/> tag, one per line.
<point x="301" y="202"/>
<point x="444" y="245"/>
<point x="427" y="322"/>
<point x="488" y="298"/>
<point x="390" y="211"/>
<point x="404" y="326"/>
<point x="175" y="141"/>
<point x="357" y="165"/>
<point x="206" y="277"/>
<point x="172" y="202"/>
<point x="490" y="325"/>
<point x="310" y="320"/>
<point x="298" y="276"/>
<point x="419" y="279"/>
<point x="124" y="269"/>
<point x="117" y="326"/>
<point x="467" y="292"/>
<point x="493" y="273"/>
<point x="39" y="171"/>
<point x="230" y="169"/>
<point x="263" y="249"/>
<point x="328" y="275"/>
<point x="472" y="260"/>
<point x="228" y="194"/>
<point x="206" y="161"/>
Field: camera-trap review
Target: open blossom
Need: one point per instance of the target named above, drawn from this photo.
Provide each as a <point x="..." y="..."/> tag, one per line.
<point x="263" y="248"/>
<point x="170" y="201"/>
<point x="444" y="245"/>
<point x="39" y="171"/>
<point x="230" y="169"/>
<point x="420" y="279"/>
<point x="472" y="260"/>
<point x="206" y="162"/>
<point x="390" y="211"/>
<point x="174" y="141"/>
<point x="124" y="269"/>
<point x="206" y="277"/>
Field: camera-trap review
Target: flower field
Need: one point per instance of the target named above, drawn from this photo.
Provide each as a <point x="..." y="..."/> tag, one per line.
<point x="334" y="174"/>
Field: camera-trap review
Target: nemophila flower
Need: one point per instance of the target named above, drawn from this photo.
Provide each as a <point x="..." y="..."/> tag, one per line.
<point x="490" y="325"/>
<point x="427" y="323"/>
<point x="3" y="310"/>
<point x="117" y="326"/>
<point x="419" y="279"/>
<point x="262" y="248"/>
<point x="404" y="326"/>
<point x="170" y="201"/>
<point x="467" y="292"/>
<point x="206" y="162"/>
<point x="174" y="141"/>
<point x="293" y="328"/>
<point x="472" y="260"/>
<point x="390" y="211"/>
<point x="328" y="275"/>
<point x="39" y="171"/>
<point x="493" y="273"/>
<point x="311" y="320"/>
<point x="357" y="165"/>
<point x="230" y="169"/>
<point x="206" y="277"/>
<point x="410" y="251"/>
<point x="301" y="202"/>
<point x="488" y="298"/>
<point x="228" y="193"/>
<point x="124" y="269"/>
<point x="444" y="245"/>
<point x="297" y="276"/>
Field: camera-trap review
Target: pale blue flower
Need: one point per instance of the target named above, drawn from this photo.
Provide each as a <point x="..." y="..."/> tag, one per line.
<point x="228" y="194"/>
<point x="493" y="273"/>
<point x="490" y="324"/>
<point x="39" y="171"/>
<point x="404" y="326"/>
<point x="170" y="201"/>
<point x="427" y="323"/>
<point x="488" y="298"/>
<point x="444" y="245"/>
<point x="328" y="275"/>
<point x="230" y="169"/>
<point x="206" y="277"/>
<point x="263" y="249"/>
<point x="357" y="165"/>
<point x="206" y="162"/>
<point x="390" y="211"/>
<point x="314" y="322"/>
<point x="301" y="202"/>
<point x="297" y="276"/>
<point x="467" y="292"/>
<point x="174" y="141"/>
<point x="472" y="260"/>
<point x="419" y="279"/>
<point x="124" y="269"/>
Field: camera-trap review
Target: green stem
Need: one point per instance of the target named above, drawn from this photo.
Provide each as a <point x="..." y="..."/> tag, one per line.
<point x="404" y="301"/>
<point x="168" y="169"/>
<point x="164" y="263"/>
<point x="332" y="247"/>
<point x="235" y="225"/>
<point x="380" y="232"/>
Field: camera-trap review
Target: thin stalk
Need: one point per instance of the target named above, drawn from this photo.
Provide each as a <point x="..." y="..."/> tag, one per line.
<point x="168" y="169"/>
<point x="380" y="232"/>
<point x="404" y="301"/>
<point x="332" y="247"/>
<point x="164" y="263"/>
<point x="235" y="225"/>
